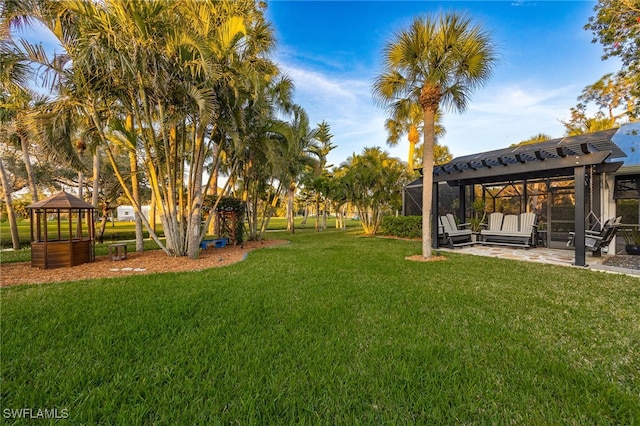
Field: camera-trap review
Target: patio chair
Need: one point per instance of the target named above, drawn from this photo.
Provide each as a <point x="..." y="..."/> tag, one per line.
<point x="598" y="241"/>
<point x="454" y="225"/>
<point x="454" y="236"/>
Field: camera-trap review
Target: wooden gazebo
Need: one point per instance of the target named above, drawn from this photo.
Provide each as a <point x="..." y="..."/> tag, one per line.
<point x="62" y="232"/>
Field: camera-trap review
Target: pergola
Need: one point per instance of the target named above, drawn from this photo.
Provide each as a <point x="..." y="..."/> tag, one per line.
<point x="62" y="232"/>
<point x="573" y="156"/>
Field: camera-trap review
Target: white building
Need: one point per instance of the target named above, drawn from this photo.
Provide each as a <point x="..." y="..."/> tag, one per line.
<point x="127" y="214"/>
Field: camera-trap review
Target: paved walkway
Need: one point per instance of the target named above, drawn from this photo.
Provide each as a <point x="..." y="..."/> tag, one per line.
<point x="541" y="255"/>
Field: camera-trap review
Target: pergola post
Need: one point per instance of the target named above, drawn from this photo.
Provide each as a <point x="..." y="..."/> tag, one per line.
<point x="579" y="174"/>
<point x="462" y="209"/>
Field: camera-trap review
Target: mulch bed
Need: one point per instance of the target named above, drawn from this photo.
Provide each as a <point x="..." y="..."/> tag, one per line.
<point x="147" y="262"/>
<point x="623" y="261"/>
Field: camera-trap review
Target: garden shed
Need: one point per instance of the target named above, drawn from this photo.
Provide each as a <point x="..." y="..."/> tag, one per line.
<point x="62" y="232"/>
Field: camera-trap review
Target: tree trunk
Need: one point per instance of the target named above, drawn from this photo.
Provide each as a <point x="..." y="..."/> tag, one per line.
<point x="324" y="215"/>
<point x="96" y="178"/>
<point x="291" y="226"/>
<point x="152" y="213"/>
<point x="13" y="225"/>
<point x="80" y="185"/>
<point x="27" y="164"/>
<point x="317" y="212"/>
<point x="103" y="222"/>
<point x="196" y="201"/>
<point x="135" y="192"/>
<point x="427" y="179"/>
<point x="412" y="150"/>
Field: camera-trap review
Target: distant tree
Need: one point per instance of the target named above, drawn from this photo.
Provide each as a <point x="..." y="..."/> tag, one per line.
<point x="540" y="137"/>
<point x="613" y="94"/>
<point x="441" y="155"/>
<point x="580" y="123"/>
<point x="616" y="25"/>
<point x="436" y="62"/>
<point x="373" y="181"/>
<point x="6" y="193"/>
<point x="321" y="174"/>
<point x="407" y="118"/>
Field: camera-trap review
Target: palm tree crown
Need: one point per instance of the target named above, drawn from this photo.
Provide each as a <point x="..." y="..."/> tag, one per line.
<point x="437" y="63"/>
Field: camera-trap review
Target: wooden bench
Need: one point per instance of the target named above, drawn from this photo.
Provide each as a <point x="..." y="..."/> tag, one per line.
<point x="118" y="251"/>
<point x="219" y="243"/>
<point x="517" y="231"/>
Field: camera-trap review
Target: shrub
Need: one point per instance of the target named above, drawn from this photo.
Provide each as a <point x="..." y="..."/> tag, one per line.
<point x="402" y="226"/>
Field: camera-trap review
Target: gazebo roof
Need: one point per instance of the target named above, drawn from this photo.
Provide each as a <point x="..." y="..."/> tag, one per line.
<point x="61" y="200"/>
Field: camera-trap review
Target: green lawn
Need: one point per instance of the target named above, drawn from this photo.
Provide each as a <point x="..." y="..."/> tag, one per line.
<point x="125" y="231"/>
<point x="113" y="232"/>
<point x="333" y="328"/>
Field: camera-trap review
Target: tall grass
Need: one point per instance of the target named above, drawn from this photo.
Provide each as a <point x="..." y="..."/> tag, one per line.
<point x="333" y="328"/>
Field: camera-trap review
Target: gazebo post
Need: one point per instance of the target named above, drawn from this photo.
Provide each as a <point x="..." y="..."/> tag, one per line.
<point x="31" y="224"/>
<point x="580" y="257"/>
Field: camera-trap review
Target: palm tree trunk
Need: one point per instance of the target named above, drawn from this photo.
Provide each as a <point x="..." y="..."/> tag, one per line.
<point x="324" y="215"/>
<point x="80" y="184"/>
<point x="412" y="150"/>
<point x="196" y="200"/>
<point x="27" y="164"/>
<point x="13" y="225"/>
<point x="317" y="212"/>
<point x="427" y="179"/>
<point x="135" y="192"/>
<point x="96" y="178"/>
<point x="152" y="213"/>
<point x="290" y="212"/>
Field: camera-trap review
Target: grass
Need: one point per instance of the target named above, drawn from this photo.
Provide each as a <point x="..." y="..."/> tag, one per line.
<point x="333" y="328"/>
<point x="119" y="231"/>
<point x="115" y="231"/>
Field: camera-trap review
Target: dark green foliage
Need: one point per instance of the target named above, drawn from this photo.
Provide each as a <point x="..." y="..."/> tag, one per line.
<point x="231" y="204"/>
<point x="402" y="226"/>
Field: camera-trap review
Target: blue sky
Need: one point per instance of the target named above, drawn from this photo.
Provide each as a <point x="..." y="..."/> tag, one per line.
<point x="332" y="50"/>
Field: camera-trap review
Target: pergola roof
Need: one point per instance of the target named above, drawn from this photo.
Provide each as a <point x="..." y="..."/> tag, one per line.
<point x="61" y="200"/>
<point x="556" y="157"/>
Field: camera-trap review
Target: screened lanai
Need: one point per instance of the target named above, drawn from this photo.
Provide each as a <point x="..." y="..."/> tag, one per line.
<point x="563" y="181"/>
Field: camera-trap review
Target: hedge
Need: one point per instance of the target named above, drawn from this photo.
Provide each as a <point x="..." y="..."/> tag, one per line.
<point x="402" y="226"/>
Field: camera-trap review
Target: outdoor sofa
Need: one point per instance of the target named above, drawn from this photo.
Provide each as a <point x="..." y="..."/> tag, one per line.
<point x="512" y="230"/>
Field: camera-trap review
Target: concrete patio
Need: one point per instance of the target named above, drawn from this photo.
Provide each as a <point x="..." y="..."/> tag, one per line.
<point x="541" y="255"/>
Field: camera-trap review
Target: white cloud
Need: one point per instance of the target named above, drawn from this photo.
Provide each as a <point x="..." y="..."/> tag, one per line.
<point x="499" y="115"/>
<point x="503" y="115"/>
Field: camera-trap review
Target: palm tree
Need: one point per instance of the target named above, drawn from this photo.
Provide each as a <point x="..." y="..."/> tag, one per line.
<point x="407" y="118"/>
<point x="441" y="155"/>
<point x="321" y="175"/>
<point x="540" y="137"/>
<point x="373" y="181"/>
<point x="436" y="63"/>
<point x="17" y="101"/>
